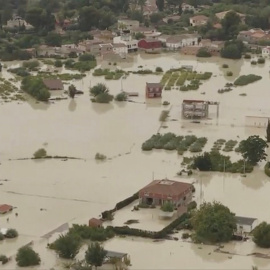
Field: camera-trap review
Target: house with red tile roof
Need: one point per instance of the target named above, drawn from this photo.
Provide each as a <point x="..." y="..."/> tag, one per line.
<point x="160" y="191"/>
<point x="95" y="223"/>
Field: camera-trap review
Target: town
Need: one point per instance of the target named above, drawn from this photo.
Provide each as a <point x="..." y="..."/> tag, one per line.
<point x="134" y="125"/>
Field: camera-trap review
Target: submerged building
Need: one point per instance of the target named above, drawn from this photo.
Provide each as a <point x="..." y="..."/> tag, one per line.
<point x="195" y="108"/>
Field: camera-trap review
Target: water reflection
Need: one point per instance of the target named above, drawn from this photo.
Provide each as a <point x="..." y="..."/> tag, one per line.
<point x="37" y="105"/>
<point x="72" y="105"/>
<point x="101" y="108"/>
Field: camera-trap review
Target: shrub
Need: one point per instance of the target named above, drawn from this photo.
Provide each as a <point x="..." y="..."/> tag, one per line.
<point x="31" y="65"/>
<point x="185" y="235"/>
<point x="87" y="57"/>
<point x="253" y="62"/>
<point x="121" y="96"/>
<point x="247" y="79"/>
<point x="3" y="259"/>
<point x="192" y="205"/>
<point x="58" y="63"/>
<point x="247" y="56"/>
<point x="159" y="69"/>
<point x="26" y="256"/>
<point x="40" y="153"/>
<point x="225" y="66"/>
<point x="20" y="71"/>
<point x="266" y="169"/>
<point x="202" y="52"/>
<point x="229" y="73"/>
<point x="261" y="235"/>
<point x="2" y="237"/>
<point x="103" y="98"/>
<point x="261" y="60"/>
<point x="166" y="103"/>
<point x="11" y="233"/>
<point x="167" y="207"/>
<point x="72" y="55"/>
<point x="99" y="156"/>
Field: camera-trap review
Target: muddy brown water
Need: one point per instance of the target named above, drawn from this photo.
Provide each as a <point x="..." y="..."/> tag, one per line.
<point x="75" y="190"/>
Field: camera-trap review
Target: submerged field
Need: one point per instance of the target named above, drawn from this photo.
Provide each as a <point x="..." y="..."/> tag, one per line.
<point x="74" y="191"/>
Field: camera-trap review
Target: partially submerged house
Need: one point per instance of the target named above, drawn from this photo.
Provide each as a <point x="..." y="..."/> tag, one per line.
<point x="198" y="20"/>
<point x="95" y="223"/>
<point x="153" y="90"/>
<point x="195" y="108"/>
<point x="150" y="45"/>
<point x="53" y="84"/>
<point x="113" y="255"/>
<point x="160" y="191"/>
<point x="5" y="208"/>
<point x="245" y="224"/>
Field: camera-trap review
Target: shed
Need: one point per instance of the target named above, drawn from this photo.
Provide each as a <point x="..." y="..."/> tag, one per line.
<point x="110" y="255"/>
<point x="150" y="45"/>
<point x="245" y="224"/>
<point x="95" y="223"/>
<point x="5" y="208"/>
<point x="53" y="84"/>
<point x="153" y="90"/>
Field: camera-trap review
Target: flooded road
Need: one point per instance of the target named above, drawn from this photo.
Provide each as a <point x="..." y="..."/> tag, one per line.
<point x="74" y="191"/>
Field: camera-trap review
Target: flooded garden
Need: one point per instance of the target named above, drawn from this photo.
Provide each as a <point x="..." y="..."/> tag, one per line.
<point x="50" y="194"/>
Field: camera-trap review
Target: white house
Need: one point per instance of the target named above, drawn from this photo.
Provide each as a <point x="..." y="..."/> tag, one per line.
<point x="17" y="22"/>
<point x="198" y="20"/>
<point x="187" y="7"/>
<point x="132" y="44"/>
<point x="266" y="51"/>
<point x="245" y="224"/>
<point x="120" y="49"/>
<point x="176" y="42"/>
<point x="127" y="24"/>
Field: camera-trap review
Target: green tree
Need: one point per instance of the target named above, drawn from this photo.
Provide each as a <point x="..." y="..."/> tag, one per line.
<point x="232" y="50"/>
<point x="53" y="39"/>
<point x="203" y="162"/>
<point x="203" y="52"/>
<point x="72" y="91"/>
<point x="160" y="4"/>
<point x="58" y="63"/>
<point x="139" y="36"/>
<point x="230" y="24"/>
<point x="67" y="246"/>
<point x="156" y="17"/>
<point x="253" y="149"/>
<point x="268" y="132"/>
<point x="214" y="223"/>
<point x="121" y="96"/>
<point x="88" y="17"/>
<point x="26" y="256"/>
<point x="261" y="235"/>
<point x="95" y="255"/>
<point x="98" y="89"/>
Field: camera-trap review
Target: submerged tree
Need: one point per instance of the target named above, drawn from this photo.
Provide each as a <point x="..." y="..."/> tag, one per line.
<point x="72" y="91"/>
<point x="26" y="256"/>
<point x="253" y="149"/>
<point x="261" y="235"/>
<point x="95" y="254"/>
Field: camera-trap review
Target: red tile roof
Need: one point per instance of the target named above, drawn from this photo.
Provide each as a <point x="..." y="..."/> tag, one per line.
<point x="53" y="84"/>
<point x="166" y="187"/>
<point x="4" y="208"/>
<point x="94" y="222"/>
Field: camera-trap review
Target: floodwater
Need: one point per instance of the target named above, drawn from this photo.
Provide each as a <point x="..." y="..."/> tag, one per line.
<point x="73" y="191"/>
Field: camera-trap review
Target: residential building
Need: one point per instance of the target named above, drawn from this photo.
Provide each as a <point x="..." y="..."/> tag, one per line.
<point x="90" y="45"/>
<point x="132" y="44"/>
<point x="17" y="22"/>
<point x="53" y="84"/>
<point x="245" y="224"/>
<point x="194" y="108"/>
<point x="171" y="18"/>
<point x="221" y="15"/>
<point x="147" y="31"/>
<point x="153" y="90"/>
<point x="253" y="36"/>
<point x="120" y="49"/>
<point x="266" y="51"/>
<point x="150" y="45"/>
<point x="198" y="20"/>
<point x="176" y="42"/>
<point x="187" y="7"/>
<point x="104" y="35"/>
<point x="104" y="48"/>
<point x="160" y="191"/>
<point x="95" y="223"/>
<point x="127" y="24"/>
<point x="5" y="208"/>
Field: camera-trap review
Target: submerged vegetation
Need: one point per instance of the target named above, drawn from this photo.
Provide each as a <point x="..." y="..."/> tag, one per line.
<point x="9" y="92"/>
<point x="110" y="75"/>
<point x="247" y="79"/>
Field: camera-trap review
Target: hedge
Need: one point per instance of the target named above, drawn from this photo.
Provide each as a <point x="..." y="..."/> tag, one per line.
<point x="125" y="230"/>
<point x="267" y="169"/>
<point x="120" y="205"/>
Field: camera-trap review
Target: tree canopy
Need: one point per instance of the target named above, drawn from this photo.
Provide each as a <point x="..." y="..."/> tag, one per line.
<point x="95" y="254"/>
<point x="26" y="256"/>
<point x="214" y="223"/>
<point x="261" y="235"/>
<point x="253" y="149"/>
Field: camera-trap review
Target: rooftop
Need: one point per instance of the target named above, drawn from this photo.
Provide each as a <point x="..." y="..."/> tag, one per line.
<point x="5" y="208"/>
<point x="96" y="222"/>
<point x="53" y="84"/>
<point x="245" y="220"/>
<point x="166" y="187"/>
<point x="153" y="84"/>
<point x="199" y="18"/>
<point x="115" y="254"/>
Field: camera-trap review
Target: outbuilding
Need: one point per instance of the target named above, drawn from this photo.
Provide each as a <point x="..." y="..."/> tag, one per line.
<point x="95" y="223"/>
<point x="245" y="224"/>
<point x="150" y="45"/>
<point x="53" y="84"/>
<point x="5" y="208"/>
<point x="153" y="90"/>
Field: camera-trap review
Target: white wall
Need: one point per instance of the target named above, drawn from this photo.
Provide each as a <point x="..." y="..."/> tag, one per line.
<point x="256" y="121"/>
